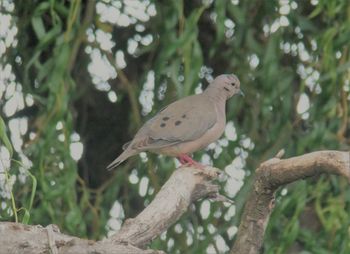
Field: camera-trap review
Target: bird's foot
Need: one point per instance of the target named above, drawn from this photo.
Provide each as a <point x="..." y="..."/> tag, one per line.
<point x="206" y="171"/>
<point x="187" y="161"/>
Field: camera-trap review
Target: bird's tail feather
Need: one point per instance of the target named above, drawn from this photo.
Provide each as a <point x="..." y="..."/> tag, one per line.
<point x="126" y="154"/>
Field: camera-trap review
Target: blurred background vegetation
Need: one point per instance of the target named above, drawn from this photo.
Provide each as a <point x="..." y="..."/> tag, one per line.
<point x="77" y="79"/>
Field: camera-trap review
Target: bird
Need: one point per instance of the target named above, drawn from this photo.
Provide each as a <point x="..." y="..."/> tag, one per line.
<point x="186" y="125"/>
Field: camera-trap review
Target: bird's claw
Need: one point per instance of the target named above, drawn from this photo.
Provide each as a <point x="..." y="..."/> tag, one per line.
<point x="208" y="171"/>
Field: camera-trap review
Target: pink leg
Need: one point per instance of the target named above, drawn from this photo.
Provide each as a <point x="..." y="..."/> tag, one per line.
<point x="181" y="160"/>
<point x="186" y="160"/>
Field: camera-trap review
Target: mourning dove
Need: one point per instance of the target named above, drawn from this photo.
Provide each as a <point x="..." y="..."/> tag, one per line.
<point x="186" y="125"/>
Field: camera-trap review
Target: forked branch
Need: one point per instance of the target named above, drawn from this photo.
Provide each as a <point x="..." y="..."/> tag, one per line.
<point x="185" y="186"/>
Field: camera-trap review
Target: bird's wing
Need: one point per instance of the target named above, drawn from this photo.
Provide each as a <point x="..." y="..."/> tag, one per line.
<point x="184" y="120"/>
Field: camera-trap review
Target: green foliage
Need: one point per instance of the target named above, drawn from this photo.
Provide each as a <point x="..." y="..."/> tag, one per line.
<point x="4" y="138"/>
<point x="278" y="62"/>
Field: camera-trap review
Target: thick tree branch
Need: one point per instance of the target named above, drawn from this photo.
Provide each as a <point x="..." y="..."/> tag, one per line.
<point x="273" y="174"/>
<point x="185" y="186"/>
<point x="16" y="238"/>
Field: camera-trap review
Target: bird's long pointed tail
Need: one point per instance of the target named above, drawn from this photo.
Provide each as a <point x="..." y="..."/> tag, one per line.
<point x="122" y="157"/>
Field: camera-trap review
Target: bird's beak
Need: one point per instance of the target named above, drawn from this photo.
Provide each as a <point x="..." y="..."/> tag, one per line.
<point x="241" y="93"/>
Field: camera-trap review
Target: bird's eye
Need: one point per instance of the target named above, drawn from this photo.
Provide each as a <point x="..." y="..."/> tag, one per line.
<point x="233" y="84"/>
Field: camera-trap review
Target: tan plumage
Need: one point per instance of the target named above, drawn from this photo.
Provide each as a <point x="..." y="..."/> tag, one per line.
<point x="186" y="125"/>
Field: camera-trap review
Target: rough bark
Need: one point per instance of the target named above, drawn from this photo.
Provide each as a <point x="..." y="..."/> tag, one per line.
<point x="16" y="238"/>
<point x="273" y="174"/>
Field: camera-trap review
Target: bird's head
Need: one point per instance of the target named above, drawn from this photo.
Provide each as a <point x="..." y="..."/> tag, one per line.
<point x="227" y="84"/>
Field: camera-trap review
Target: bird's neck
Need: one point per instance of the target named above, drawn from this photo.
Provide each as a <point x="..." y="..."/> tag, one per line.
<point x="216" y="95"/>
<point x="219" y="101"/>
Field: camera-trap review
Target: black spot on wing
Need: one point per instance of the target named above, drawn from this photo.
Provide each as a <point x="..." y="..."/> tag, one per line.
<point x="178" y="123"/>
<point x="166" y="118"/>
<point x="162" y="125"/>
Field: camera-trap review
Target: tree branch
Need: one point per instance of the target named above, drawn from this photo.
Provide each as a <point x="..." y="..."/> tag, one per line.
<point x="273" y="174"/>
<point x="16" y="238"/>
<point x="185" y="186"/>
